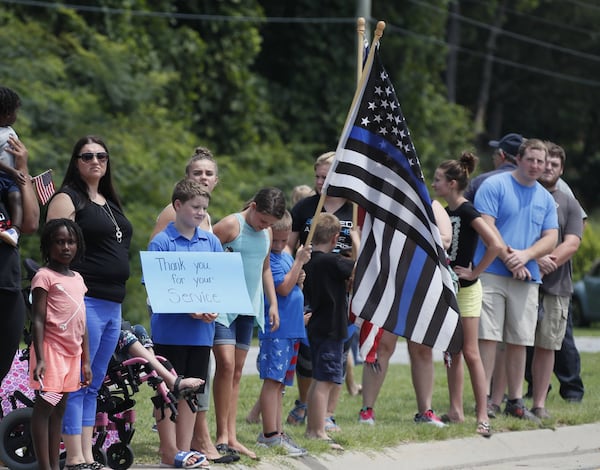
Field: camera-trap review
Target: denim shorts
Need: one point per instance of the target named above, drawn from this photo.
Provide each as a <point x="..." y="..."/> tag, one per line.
<point x="238" y="333"/>
<point x="327" y="360"/>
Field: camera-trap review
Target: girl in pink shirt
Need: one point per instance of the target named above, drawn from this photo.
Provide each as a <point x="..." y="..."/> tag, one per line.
<point x="59" y="357"/>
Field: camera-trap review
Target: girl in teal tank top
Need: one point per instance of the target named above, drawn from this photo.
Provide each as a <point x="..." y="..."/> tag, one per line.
<point x="249" y="233"/>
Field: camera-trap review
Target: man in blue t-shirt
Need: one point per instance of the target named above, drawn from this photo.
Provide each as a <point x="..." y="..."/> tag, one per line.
<point x="524" y="214"/>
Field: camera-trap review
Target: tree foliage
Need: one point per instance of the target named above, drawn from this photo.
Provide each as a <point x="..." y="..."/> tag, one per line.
<point x="267" y="85"/>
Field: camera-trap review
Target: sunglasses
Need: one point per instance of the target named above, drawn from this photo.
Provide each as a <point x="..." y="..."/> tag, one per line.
<point x="89" y="156"/>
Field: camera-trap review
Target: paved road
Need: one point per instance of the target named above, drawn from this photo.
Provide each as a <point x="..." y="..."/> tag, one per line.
<point x="584" y="344"/>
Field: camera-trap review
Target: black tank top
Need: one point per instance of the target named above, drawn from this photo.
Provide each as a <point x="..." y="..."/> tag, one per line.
<point x="105" y="265"/>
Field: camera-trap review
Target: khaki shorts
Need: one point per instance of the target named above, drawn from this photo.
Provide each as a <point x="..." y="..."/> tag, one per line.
<point x="469" y="300"/>
<point x="509" y="310"/>
<point x="552" y="321"/>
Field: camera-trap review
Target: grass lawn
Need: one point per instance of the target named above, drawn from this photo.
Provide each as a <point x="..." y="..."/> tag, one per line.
<point x="394" y="410"/>
<point x="592" y="330"/>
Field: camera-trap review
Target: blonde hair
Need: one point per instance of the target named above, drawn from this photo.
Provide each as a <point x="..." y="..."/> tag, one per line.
<point x="285" y="223"/>
<point x="324" y="159"/>
<point x="327" y="226"/>
<point x="300" y="192"/>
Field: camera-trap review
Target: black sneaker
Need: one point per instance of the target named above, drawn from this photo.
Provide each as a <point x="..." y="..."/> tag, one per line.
<point x="518" y="410"/>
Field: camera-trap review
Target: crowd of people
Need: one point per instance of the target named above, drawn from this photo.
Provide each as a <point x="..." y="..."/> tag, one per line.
<point x="509" y="234"/>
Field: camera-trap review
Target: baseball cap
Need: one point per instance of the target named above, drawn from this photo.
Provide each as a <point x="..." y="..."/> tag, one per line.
<point x="509" y="144"/>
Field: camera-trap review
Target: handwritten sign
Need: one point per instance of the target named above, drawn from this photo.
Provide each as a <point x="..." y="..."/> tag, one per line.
<point x="195" y="282"/>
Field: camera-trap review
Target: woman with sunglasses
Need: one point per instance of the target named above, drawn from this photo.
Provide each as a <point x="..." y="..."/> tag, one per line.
<point x="88" y="197"/>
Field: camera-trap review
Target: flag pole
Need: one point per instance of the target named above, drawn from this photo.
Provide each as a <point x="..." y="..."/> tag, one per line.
<point x="360" y="48"/>
<point x="360" y="30"/>
<point x="376" y="37"/>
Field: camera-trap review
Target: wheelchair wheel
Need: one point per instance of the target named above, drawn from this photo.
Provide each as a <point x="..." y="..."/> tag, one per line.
<point x="16" y="443"/>
<point x="119" y="456"/>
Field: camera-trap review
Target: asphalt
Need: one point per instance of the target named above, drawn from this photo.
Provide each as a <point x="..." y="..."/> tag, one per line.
<point x="565" y="448"/>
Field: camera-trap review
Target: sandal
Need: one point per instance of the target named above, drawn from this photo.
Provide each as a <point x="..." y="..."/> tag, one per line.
<point x="484" y="429"/>
<point x="330" y="425"/>
<point x="224" y="449"/>
<point x="95" y="465"/>
<point x="294" y="417"/>
<point x="185" y="392"/>
<point x="78" y="466"/>
<point x="224" y="459"/>
<point x="182" y="460"/>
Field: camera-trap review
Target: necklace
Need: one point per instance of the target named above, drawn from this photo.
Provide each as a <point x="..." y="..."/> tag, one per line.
<point x="109" y="213"/>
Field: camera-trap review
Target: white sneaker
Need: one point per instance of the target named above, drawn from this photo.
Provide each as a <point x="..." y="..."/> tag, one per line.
<point x="283" y="441"/>
<point x="429" y="417"/>
<point x="10" y="236"/>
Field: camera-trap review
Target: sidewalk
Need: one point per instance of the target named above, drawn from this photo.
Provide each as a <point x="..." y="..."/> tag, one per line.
<point x="567" y="448"/>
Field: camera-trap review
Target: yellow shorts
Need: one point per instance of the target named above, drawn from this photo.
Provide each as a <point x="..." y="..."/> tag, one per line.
<point x="469" y="300"/>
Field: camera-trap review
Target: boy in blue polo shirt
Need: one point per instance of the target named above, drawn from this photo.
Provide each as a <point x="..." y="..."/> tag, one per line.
<point x="185" y="339"/>
<point x="279" y="348"/>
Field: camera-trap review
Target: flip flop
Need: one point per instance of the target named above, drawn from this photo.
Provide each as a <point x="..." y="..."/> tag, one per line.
<point x="224" y="449"/>
<point x="182" y="457"/>
<point x="224" y="459"/>
<point x="334" y="445"/>
<point x="183" y="392"/>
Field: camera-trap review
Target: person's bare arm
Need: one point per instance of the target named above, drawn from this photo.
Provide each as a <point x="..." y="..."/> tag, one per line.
<point x="61" y="207"/>
<point x="227" y="229"/>
<point x="560" y="255"/>
<point x="442" y="220"/>
<point x="269" y="290"/>
<point x="493" y="244"/>
<point x="291" y="278"/>
<point x="518" y="258"/>
<point x="31" y="208"/>
<point x="166" y="215"/>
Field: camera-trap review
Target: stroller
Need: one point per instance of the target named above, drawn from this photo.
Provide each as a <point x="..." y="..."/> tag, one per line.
<point x="115" y="416"/>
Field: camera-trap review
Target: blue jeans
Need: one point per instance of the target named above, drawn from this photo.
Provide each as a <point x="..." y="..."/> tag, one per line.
<point x="239" y="332"/>
<point x="104" y="326"/>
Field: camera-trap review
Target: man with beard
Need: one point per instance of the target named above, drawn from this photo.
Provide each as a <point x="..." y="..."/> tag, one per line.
<point x="525" y="216"/>
<point x="557" y="286"/>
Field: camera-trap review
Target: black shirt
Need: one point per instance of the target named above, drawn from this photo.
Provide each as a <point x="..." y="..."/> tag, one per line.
<point x="303" y="213"/>
<point x="105" y="265"/>
<point x="325" y="292"/>
<point x="464" y="237"/>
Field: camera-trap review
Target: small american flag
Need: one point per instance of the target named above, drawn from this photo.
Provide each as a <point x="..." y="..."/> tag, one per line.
<point x="44" y="186"/>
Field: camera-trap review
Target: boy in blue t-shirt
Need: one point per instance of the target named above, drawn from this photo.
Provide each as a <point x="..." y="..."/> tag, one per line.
<point x="279" y="348"/>
<point x="185" y="339"/>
